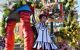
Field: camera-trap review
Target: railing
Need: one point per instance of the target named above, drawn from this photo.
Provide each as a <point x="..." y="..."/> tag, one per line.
<point x="17" y="47"/>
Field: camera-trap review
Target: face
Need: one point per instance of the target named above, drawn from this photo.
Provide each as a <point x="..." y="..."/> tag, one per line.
<point x="43" y="19"/>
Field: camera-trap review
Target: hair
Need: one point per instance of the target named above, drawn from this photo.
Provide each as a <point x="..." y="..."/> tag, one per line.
<point x="42" y="15"/>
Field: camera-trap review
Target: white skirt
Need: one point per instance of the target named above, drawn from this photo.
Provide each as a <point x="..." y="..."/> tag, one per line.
<point x="44" y="41"/>
<point x="45" y="45"/>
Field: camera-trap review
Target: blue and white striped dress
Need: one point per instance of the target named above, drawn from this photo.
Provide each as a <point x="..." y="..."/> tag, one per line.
<point x="43" y="41"/>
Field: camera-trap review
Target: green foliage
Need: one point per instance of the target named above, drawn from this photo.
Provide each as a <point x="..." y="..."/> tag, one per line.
<point x="3" y="22"/>
<point x="6" y="12"/>
<point x="2" y="28"/>
<point x="23" y="2"/>
<point x="39" y="5"/>
<point x="71" y="30"/>
<point x="18" y="39"/>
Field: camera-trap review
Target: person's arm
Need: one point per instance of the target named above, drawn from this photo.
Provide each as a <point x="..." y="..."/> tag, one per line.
<point x="37" y="25"/>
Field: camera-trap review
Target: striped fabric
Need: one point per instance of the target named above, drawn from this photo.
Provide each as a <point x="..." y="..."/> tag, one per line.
<point x="43" y="41"/>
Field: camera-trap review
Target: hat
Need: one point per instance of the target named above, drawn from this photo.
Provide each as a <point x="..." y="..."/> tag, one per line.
<point x="23" y="7"/>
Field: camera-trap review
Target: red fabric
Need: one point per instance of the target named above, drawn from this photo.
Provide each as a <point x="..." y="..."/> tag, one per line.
<point x="26" y="28"/>
<point x="61" y="10"/>
<point x="32" y="9"/>
<point x="57" y="1"/>
<point x="9" y="41"/>
<point x="28" y="34"/>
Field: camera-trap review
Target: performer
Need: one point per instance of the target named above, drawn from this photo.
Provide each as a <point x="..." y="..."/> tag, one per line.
<point x="11" y="22"/>
<point x="27" y="30"/>
<point x="43" y="41"/>
<point x="24" y="12"/>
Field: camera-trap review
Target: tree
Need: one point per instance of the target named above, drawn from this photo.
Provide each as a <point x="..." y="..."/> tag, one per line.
<point x="71" y="30"/>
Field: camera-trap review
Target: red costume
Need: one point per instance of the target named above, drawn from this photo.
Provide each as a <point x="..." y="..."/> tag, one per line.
<point x="26" y="28"/>
<point x="10" y="35"/>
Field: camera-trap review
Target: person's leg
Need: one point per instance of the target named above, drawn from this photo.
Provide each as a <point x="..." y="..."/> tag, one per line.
<point x="27" y="30"/>
<point x="9" y="41"/>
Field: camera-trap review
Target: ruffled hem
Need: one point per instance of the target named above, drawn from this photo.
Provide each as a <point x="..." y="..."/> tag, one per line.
<point x="45" y="45"/>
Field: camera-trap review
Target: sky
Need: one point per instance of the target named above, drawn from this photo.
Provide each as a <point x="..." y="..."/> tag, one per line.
<point x="78" y="8"/>
<point x="2" y="2"/>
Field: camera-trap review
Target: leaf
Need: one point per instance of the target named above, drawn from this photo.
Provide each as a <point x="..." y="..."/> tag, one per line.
<point x="67" y="5"/>
<point x="23" y="2"/>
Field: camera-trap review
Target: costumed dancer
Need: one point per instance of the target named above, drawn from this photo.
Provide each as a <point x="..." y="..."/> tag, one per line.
<point x="11" y="22"/>
<point x="24" y="12"/>
<point x="43" y="41"/>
